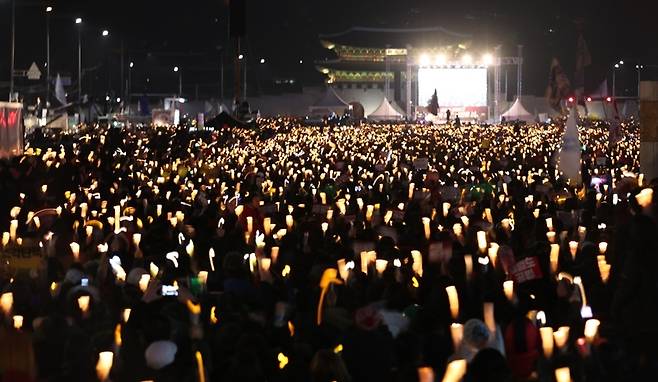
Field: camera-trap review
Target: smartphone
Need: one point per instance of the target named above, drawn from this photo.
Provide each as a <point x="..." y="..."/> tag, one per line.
<point x="84" y="282"/>
<point x="169" y="290"/>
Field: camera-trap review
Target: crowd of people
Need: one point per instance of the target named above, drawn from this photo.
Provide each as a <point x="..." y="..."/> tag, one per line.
<point x="377" y="252"/>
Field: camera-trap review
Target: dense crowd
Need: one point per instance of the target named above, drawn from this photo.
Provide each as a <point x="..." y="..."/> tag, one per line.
<point x="348" y="253"/>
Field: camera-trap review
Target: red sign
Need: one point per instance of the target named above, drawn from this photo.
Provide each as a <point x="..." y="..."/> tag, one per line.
<point x="11" y="129"/>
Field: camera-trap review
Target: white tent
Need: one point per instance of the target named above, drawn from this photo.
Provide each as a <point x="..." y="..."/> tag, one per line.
<point x="329" y="103"/>
<point x="569" y="162"/>
<point x="518" y="112"/>
<point x="386" y="112"/>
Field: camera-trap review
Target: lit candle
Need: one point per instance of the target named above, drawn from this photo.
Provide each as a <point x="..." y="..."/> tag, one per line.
<point x="83" y="303"/>
<point x="487" y="214"/>
<point x="489" y="319"/>
<point x="563" y="374"/>
<point x="380" y="266"/>
<point x="274" y="254"/>
<point x="289" y="221"/>
<point x="547" y="340"/>
<point x="426" y="226"/>
<point x="446" y="209"/>
<point x="18" y="322"/>
<point x="508" y="288"/>
<point x="555" y="255"/>
<point x="561" y="336"/>
<point x="144" y="282"/>
<point x="267" y="226"/>
<point x="573" y="249"/>
<point x="425" y="374"/>
<point x="417" y="265"/>
<point x="411" y="190"/>
<point x="104" y="365"/>
<point x="482" y="241"/>
<point x="369" y="210"/>
<point x="453" y="301"/>
<point x="13" y="227"/>
<point x="549" y="224"/>
<point x="644" y="197"/>
<point x="591" y="329"/>
<point x="582" y="232"/>
<point x="468" y="263"/>
<point x="250" y="224"/>
<point x="6" y="302"/>
<point x="550" y="236"/>
<point x="117" y="217"/>
<point x="603" y="247"/>
<point x="324" y="227"/>
<point x="75" y="249"/>
<point x="457" y="334"/>
<point x="343" y="271"/>
<point x="126" y="314"/>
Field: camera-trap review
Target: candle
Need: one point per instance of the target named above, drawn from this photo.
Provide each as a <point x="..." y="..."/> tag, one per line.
<point x="561" y="336"/>
<point x="323" y="197"/>
<point x="464" y="220"/>
<point x="603" y="247"/>
<point x="562" y="374"/>
<point x="417" y="265"/>
<point x="324" y="227"/>
<point x="489" y="320"/>
<point x="117" y="217"/>
<point x="104" y="364"/>
<point x="369" y="210"/>
<point x="83" y="303"/>
<point x="380" y="266"/>
<point x="591" y="329"/>
<point x="289" y="222"/>
<point x="446" y="209"/>
<point x="343" y="270"/>
<point x="18" y="322"/>
<point x="211" y="258"/>
<point x="549" y="224"/>
<point x="250" y="224"/>
<point x="426" y="226"/>
<point x="457" y="229"/>
<point x="13" y="227"/>
<point x="411" y="190"/>
<point x="487" y="214"/>
<point x="267" y="226"/>
<point x="6" y="302"/>
<point x="126" y="314"/>
<point x="154" y="270"/>
<point x="83" y="210"/>
<point x="547" y="340"/>
<point x="573" y="248"/>
<point x="200" y="369"/>
<point x="457" y="334"/>
<point x="144" y="282"/>
<point x="482" y="241"/>
<point x="555" y="255"/>
<point x="203" y="278"/>
<point x="550" y="236"/>
<point x="158" y="210"/>
<point x="75" y="250"/>
<point x="89" y="230"/>
<point x="508" y="288"/>
<point x="468" y="263"/>
<point x="453" y="301"/>
<point x="189" y="248"/>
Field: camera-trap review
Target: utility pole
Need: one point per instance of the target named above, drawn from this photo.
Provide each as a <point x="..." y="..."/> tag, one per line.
<point x="13" y="49"/>
<point x="519" y="74"/>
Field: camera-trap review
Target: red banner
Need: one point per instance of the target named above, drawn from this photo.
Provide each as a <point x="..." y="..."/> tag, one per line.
<point x="11" y="129"/>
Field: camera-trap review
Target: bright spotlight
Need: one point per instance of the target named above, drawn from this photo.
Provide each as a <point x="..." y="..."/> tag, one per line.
<point x="175" y="68"/>
<point x="132" y="64"/>
<point x="118" y="99"/>
<point x="440" y="59"/>
<point x="467" y="59"/>
<point x="49" y="9"/>
<point x="589" y="99"/>
<point x="240" y="57"/>
<point x="487" y="59"/>
<point x="262" y="60"/>
<point x="105" y="33"/>
<point x="78" y="20"/>
<point x="424" y="60"/>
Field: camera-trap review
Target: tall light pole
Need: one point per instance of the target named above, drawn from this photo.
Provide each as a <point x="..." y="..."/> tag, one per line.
<point x="180" y="81"/>
<point x="639" y="78"/>
<point x="13" y="49"/>
<point x="48" y="12"/>
<point x="614" y="77"/>
<point x="127" y="96"/>
<point x="78" y="22"/>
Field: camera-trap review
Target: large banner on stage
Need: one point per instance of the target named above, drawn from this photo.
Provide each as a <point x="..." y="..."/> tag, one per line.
<point x="11" y="129"/>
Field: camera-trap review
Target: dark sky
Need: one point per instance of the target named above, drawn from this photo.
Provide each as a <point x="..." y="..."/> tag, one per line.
<point x="163" y="33"/>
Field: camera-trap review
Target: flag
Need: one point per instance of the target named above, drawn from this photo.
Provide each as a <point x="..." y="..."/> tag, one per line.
<point x="558" y="85"/>
<point x="569" y="163"/>
<point x="583" y="59"/>
<point x="433" y="106"/>
<point x="59" y="90"/>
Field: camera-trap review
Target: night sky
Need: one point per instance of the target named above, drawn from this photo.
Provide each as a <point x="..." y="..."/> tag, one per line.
<point x="160" y="34"/>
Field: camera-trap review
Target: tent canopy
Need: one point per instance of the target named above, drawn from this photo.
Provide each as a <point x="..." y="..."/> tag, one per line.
<point x="330" y="102"/>
<point x="518" y="112"/>
<point x="385" y="112"/>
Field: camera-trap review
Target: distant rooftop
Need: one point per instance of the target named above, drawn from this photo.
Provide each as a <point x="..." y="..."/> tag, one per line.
<point x="368" y="37"/>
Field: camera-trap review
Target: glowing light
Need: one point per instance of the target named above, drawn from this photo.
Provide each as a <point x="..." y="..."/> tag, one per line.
<point x="78" y="20"/>
<point x="424" y="60"/>
<point x="105" y="33"/>
<point x="440" y="59"/>
<point x="467" y="59"/>
<point x="487" y="59"/>
<point x="49" y="9"/>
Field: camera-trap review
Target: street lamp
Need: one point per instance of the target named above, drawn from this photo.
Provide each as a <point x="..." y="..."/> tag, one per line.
<point x="105" y="33"/>
<point x="639" y="78"/>
<point x="78" y="22"/>
<point x="180" y="81"/>
<point x="614" y="77"/>
<point x="262" y="60"/>
<point x="48" y="12"/>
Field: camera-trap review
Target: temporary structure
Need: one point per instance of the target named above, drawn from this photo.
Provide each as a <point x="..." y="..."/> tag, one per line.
<point x="569" y="156"/>
<point x="386" y="112"/>
<point x="329" y="103"/>
<point x="518" y="112"/>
